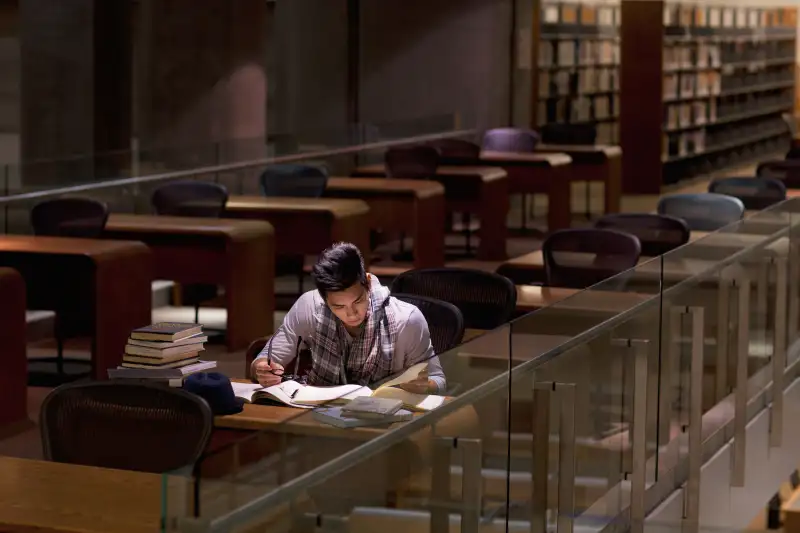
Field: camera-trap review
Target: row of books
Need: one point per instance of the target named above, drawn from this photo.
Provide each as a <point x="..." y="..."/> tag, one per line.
<point x="580" y="109"/>
<point x="685" y="55"/>
<point x="683" y="85"/>
<point x="572" y="52"/>
<point x="698" y="141"/>
<point x="583" y="81"/>
<point x="164" y="351"/>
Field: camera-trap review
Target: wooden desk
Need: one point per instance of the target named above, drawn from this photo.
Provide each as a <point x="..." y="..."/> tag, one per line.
<point x="14" y="377"/>
<point x="306" y="226"/>
<point x="48" y="497"/>
<point x="595" y="163"/>
<point x="529" y="268"/>
<point x="235" y="253"/>
<point x="531" y="298"/>
<point x="415" y="207"/>
<point x="101" y="286"/>
<point x="482" y="191"/>
<point x="540" y="173"/>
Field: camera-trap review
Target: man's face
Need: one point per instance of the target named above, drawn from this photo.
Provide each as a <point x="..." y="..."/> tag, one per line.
<point x="350" y="305"/>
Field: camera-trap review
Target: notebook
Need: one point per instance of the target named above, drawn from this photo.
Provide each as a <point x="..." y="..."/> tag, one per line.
<point x="295" y="394"/>
<point x="335" y="417"/>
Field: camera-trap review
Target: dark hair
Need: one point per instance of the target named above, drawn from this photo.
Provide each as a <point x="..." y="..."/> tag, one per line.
<point x="339" y="267"/>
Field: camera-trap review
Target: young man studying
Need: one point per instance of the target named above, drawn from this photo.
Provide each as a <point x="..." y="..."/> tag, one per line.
<point x="356" y="331"/>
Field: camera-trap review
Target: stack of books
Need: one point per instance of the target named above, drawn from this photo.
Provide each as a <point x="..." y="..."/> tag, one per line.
<point x="163" y="351"/>
<point x="364" y="411"/>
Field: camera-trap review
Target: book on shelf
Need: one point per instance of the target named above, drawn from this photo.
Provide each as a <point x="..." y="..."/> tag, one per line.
<point x="166" y="331"/>
<point x="295" y="394"/>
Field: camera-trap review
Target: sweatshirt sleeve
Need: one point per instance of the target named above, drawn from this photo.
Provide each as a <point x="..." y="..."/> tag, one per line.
<point x="414" y="346"/>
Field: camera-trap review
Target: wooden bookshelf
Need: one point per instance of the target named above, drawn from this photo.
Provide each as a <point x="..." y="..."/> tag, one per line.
<point x="578" y="67"/>
<point x="703" y="88"/>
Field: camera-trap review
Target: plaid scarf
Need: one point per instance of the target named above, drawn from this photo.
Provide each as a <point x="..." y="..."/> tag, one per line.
<point x="369" y="357"/>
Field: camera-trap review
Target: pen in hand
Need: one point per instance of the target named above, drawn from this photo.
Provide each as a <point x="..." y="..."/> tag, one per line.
<point x="294" y="394"/>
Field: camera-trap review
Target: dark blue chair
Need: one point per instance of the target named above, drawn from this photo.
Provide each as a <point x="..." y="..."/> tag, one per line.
<point x="755" y="193"/>
<point x="702" y="211"/>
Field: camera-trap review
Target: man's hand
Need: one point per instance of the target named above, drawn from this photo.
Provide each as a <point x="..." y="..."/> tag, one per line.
<point x="420" y="385"/>
<point x="268" y="374"/>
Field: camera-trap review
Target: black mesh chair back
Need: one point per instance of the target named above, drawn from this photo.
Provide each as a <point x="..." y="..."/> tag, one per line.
<point x="580" y="258"/>
<point x="788" y="171"/>
<point x="456" y="151"/>
<point x="69" y="217"/>
<point x="486" y="300"/>
<point x="412" y="162"/>
<point x="702" y="211"/>
<point x="445" y="322"/>
<point x="129" y="426"/>
<point x="657" y="234"/>
<point x="190" y="199"/>
<point x="755" y="193"/>
<point x="510" y="140"/>
<point x="568" y="134"/>
<point x="294" y="180"/>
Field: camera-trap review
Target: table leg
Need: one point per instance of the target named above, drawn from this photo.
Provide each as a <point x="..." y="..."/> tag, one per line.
<point x="249" y="290"/>
<point x="559" y="198"/>
<point x="613" y="184"/>
<point x="122" y="303"/>
<point x="493" y="213"/>
<point x="428" y="231"/>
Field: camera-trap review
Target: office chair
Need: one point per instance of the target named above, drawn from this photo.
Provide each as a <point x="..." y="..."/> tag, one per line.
<point x="486" y="300"/>
<point x="445" y="322"/>
<point x="657" y="234"/>
<point x="702" y="211"/>
<point x="755" y="193"/>
<point x="567" y="256"/>
<point x="123" y="425"/>
<point x="68" y="217"/>
<point x="192" y="199"/>
<point x="788" y="171"/>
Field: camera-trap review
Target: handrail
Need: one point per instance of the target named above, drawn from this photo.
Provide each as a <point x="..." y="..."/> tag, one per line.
<point x="294" y="487"/>
<point x="121" y="182"/>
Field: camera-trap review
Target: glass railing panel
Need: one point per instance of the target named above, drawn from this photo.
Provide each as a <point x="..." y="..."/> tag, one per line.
<point x="273" y="448"/>
<point x="606" y="377"/>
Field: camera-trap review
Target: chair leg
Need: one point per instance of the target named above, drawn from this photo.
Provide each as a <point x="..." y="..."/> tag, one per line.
<point x="524" y="211"/>
<point x="402" y="243"/>
<point x="197" y="314"/>
<point x="300" y="282"/>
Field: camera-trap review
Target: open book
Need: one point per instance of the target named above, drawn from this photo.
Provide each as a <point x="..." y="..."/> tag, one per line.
<point x="295" y="394"/>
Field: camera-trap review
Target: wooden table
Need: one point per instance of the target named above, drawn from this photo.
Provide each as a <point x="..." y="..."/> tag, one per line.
<point x="539" y="173"/>
<point x="482" y="191"/>
<point x="238" y="254"/>
<point x="48" y="497"/>
<point x="102" y="285"/>
<point x="414" y="207"/>
<point x="531" y="298"/>
<point x="14" y="377"/>
<point x="529" y="268"/>
<point x="595" y="163"/>
<point x="306" y="226"/>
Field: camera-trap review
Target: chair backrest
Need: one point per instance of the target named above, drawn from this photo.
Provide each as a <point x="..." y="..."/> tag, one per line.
<point x="445" y="321"/>
<point x="788" y="171"/>
<point x="412" y="162"/>
<point x="190" y="199"/>
<point x="580" y="258"/>
<point x="306" y="181"/>
<point x="569" y="134"/>
<point x="456" y="151"/>
<point x="129" y="426"/>
<point x="486" y="300"/>
<point x="702" y="211"/>
<point x="69" y="217"/>
<point x="755" y="193"/>
<point x="657" y="234"/>
<point x="510" y="140"/>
